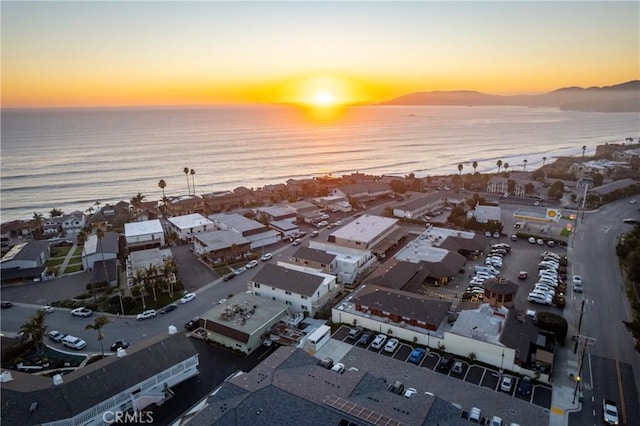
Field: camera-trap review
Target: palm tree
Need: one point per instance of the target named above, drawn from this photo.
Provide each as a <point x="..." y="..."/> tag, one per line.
<point x="475" y="166"/>
<point x="524" y="164"/>
<point x="100" y="234"/>
<point x="56" y="212"/>
<point x="544" y="160"/>
<point x="97" y="325"/>
<point x="150" y="278"/>
<point x="506" y="167"/>
<point x="460" y="169"/>
<point x="584" y="148"/>
<point x="139" y="279"/>
<point x="97" y="204"/>
<point x="186" y="173"/>
<point x="162" y="184"/>
<point x="499" y="164"/>
<point x="35" y="328"/>
<point x="89" y="210"/>
<point x="193" y="184"/>
<point x="136" y="203"/>
<point x="168" y="272"/>
<point x="38" y="221"/>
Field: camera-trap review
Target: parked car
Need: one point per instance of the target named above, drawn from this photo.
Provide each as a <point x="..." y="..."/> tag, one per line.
<point x="378" y="342"/>
<point x="524" y="387"/>
<point x="496" y="234"/>
<point x="6" y="304"/>
<point x="73" y="342"/>
<point x="354" y="333"/>
<point x="170" y="307"/>
<point x="410" y="391"/>
<point x="326" y="363"/>
<point x="251" y="264"/>
<point x="222" y="301"/>
<point x="577" y="283"/>
<point x="228" y="276"/>
<point x="239" y="271"/>
<point x="364" y="339"/>
<point x="314" y="234"/>
<point x="495" y="420"/>
<point x="445" y="364"/>
<point x="540" y="241"/>
<point x="539" y="298"/>
<point x="391" y="345"/>
<point x="532" y="240"/>
<point x="266" y="256"/>
<point x="416" y="355"/>
<point x="56" y="336"/>
<point x="48" y="309"/>
<point x="119" y="344"/>
<point x="522" y="275"/>
<point x="457" y="367"/>
<point x="188" y="298"/>
<point x="192" y="324"/>
<point x="514" y="237"/>
<point x="150" y="313"/>
<point x="297" y="241"/>
<point x="506" y="384"/>
<point x="81" y="312"/>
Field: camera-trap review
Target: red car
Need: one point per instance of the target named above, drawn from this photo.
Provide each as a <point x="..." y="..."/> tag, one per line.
<point x="522" y="275"/>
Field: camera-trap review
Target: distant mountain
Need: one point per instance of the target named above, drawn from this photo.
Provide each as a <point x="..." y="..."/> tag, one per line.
<point x="624" y="97"/>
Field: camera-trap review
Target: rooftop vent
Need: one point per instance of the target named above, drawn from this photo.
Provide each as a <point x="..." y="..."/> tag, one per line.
<point x="33" y="407"/>
<point x="57" y="380"/>
<point x="121" y="353"/>
<point x="173" y="329"/>
<point x="5" y="377"/>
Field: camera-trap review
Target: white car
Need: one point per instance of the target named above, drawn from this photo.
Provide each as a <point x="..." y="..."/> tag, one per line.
<point x="56" y="336"/>
<point x="410" y="391"/>
<point x="391" y="345"/>
<point x="239" y="271"/>
<point x="188" y="297"/>
<point x="506" y="384"/>
<point x="539" y="298"/>
<point x="151" y="313"/>
<point x="221" y="301"/>
<point x="532" y="240"/>
<point x="577" y="283"/>
<point x="48" y="309"/>
<point x="251" y="264"/>
<point x="266" y="256"/>
<point x="338" y="368"/>
<point x="379" y="341"/>
<point x="81" y="312"/>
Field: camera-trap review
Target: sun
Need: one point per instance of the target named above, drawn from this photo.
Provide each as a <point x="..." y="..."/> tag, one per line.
<point x="324" y="99"/>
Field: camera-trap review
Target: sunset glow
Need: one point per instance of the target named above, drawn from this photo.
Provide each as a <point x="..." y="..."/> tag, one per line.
<point x="320" y="54"/>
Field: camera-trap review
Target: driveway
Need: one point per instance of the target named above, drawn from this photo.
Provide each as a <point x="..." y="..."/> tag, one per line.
<point x="191" y="271"/>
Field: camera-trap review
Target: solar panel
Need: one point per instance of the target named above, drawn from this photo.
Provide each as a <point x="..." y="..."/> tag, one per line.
<point x="360" y="412"/>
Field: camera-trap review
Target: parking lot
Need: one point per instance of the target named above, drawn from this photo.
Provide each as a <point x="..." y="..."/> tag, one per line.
<point x="471" y="373"/>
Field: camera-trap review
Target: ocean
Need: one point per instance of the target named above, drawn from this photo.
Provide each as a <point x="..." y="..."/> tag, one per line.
<point x="70" y="158"/>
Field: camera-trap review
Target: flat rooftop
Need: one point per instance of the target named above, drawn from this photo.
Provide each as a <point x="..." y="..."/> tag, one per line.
<point x="245" y="312"/>
<point x="236" y="221"/>
<point x="190" y="221"/>
<point x="145" y="227"/>
<point x="365" y="228"/>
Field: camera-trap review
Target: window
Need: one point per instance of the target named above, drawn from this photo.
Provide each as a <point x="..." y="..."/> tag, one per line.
<point x="256" y="285"/>
<point x="303" y="296"/>
<point x="304" y="307"/>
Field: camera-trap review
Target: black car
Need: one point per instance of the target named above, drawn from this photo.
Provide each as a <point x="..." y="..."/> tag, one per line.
<point x="365" y="339"/>
<point x="6" y="304"/>
<point x="445" y="364"/>
<point x="119" y="344"/>
<point x="524" y="387"/>
<point x="193" y="324"/>
<point x="228" y="277"/>
<point x="170" y="307"/>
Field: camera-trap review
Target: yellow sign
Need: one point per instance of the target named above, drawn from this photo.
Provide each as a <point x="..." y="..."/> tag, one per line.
<point x="553" y="214"/>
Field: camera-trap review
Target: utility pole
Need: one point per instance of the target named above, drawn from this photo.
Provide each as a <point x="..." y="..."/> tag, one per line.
<point x="584" y="352"/>
<point x="575" y="348"/>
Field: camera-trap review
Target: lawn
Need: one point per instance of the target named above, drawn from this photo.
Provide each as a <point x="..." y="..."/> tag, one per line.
<point x="73" y="268"/>
<point x="75" y="259"/>
<point x="60" y="251"/>
<point x="78" y="251"/>
<point x="55" y="262"/>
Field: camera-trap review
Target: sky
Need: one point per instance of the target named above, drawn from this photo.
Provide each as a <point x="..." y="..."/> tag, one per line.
<point x="63" y="54"/>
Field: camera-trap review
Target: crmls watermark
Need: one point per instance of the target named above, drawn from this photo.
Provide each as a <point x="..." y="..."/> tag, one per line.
<point x="127" y="417"/>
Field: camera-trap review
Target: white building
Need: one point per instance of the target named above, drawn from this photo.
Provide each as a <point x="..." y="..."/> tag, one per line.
<point x="96" y="251"/>
<point x="144" y="235"/>
<point x="188" y="225"/>
<point x="258" y="234"/>
<point x="73" y="223"/>
<point x="302" y="289"/>
<point x="485" y="214"/>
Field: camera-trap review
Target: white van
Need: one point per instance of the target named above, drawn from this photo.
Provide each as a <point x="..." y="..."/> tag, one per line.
<point x="74" y="342"/>
<point x="488" y="269"/>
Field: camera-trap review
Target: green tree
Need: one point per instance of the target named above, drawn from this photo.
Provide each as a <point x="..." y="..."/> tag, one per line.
<point x="38" y="222"/>
<point x="597" y="179"/>
<point x="54" y="212"/>
<point x="524" y="165"/>
<point x="584" y="148"/>
<point x="528" y="188"/>
<point x="97" y="325"/>
<point x="35" y="328"/>
<point x="499" y="164"/>
<point x="555" y="323"/>
<point x="544" y="160"/>
<point x="100" y="234"/>
<point x="475" y="167"/>
<point x="399" y="186"/>
<point x="506" y="167"/>
<point x="150" y="275"/>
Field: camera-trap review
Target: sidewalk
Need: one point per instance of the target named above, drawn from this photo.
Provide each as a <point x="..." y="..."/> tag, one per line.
<point x="564" y="386"/>
<point x="67" y="259"/>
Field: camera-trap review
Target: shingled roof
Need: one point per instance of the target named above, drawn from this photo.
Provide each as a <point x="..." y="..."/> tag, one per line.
<point x="288" y="279"/>
<point x="90" y="385"/>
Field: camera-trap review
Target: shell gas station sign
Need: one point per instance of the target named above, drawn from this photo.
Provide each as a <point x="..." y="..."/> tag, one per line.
<point x="553" y="215"/>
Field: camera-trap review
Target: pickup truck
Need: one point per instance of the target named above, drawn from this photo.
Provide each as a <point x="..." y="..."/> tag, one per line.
<point x="610" y="412"/>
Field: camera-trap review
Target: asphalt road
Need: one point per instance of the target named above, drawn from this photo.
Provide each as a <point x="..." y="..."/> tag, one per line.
<point x="611" y="361"/>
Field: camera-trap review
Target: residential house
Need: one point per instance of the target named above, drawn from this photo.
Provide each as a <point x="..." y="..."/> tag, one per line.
<point x="220" y="201"/>
<point x="362" y="193"/>
<point x="73" y="223"/>
<point x="186" y="226"/>
<point x="25" y="262"/>
<point x="52" y="226"/>
<point x="627" y="155"/>
<point x="185" y="205"/>
<point x="276" y="213"/>
<point x="399" y="275"/>
<point x="601" y="191"/>
<point x="603" y="167"/>
<point x="95" y="250"/>
<point x="304" y="290"/>
<point x="259" y="234"/>
<point x="243" y="322"/>
<point x="221" y="246"/>
<point x="315" y="259"/>
<point x="144" y="235"/>
<point x="110" y="216"/>
<point x="133" y="380"/>
<point x="369" y="232"/>
<point x="416" y="208"/>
